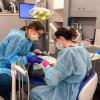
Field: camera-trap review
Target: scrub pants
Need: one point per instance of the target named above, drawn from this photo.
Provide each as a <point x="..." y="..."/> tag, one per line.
<point x="5" y="86"/>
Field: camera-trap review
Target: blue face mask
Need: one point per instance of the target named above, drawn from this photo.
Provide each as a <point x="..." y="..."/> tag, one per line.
<point x="59" y="46"/>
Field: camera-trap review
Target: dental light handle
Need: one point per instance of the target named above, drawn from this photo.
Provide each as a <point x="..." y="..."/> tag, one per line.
<point x="52" y="26"/>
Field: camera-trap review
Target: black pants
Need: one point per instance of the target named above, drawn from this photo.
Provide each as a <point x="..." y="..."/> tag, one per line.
<point x="5" y="86"/>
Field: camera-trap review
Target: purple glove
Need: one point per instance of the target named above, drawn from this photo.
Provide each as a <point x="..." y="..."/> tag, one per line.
<point x="34" y="59"/>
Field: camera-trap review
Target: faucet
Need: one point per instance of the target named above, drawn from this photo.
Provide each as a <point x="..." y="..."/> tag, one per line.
<point x="12" y="5"/>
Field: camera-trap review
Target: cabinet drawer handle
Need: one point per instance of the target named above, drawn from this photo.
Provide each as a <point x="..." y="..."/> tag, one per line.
<point x="83" y="8"/>
<point x="79" y="8"/>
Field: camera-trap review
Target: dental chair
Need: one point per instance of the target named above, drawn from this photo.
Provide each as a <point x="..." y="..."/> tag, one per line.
<point x="35" y="81"/>
<point x="88" y="86"/>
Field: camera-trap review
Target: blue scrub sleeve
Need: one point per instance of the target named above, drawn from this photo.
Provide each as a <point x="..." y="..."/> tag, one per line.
<point x="14" y="48"/>
<point x="63" y="69"/>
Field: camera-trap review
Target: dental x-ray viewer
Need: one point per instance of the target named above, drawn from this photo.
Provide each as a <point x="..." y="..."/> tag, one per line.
<point x="17" y="44"/>
<point x="64" y="78"/>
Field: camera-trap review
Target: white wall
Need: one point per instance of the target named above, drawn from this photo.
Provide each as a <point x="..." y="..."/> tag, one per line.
<point x="8" y="22"/>
<point x="50" y="6"/>
<point x="97" y="37"/>
<point x="28" y="1"/>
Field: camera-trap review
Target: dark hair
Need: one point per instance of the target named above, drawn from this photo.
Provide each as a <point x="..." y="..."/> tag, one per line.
<point x="68" y="34"/>
<point x="36" y="24"/>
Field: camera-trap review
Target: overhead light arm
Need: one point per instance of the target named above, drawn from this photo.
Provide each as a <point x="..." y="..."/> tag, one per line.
<point x="38" y="2"/>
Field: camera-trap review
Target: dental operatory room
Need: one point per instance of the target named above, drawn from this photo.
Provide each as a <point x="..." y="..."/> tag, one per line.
<point x="49" y="49"/>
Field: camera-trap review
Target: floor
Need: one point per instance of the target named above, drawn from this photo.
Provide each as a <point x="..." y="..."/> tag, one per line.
<point x="1" y="98"/>
<point x="95" y="97"/>
<point x="97" y="93"/>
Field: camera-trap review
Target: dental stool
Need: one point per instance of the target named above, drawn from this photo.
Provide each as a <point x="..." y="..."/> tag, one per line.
<point x="88" y="86"/>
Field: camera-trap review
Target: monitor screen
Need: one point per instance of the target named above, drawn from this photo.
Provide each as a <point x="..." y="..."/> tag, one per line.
<point x="24" y="9"/>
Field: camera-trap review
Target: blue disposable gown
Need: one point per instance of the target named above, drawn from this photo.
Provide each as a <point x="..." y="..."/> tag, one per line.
<point x="14" y="45"/>
<point x="63" y="80"/>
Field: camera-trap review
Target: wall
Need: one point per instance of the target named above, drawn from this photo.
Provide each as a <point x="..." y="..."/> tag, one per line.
<point x="8" y="22"/>
<point x="97" y="37"/>
<point x="28" y="1"/>
<point x="98" y="14"/>
<point x="89" y="23"/>
<point x="88" y="26"/>
<point x="50" y="6"/>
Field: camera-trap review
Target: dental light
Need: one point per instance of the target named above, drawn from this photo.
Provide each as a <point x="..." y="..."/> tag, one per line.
<point x="40" y="13"/>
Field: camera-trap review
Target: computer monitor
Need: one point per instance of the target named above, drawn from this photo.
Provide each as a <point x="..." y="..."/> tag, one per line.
<point x="24" y="9"/>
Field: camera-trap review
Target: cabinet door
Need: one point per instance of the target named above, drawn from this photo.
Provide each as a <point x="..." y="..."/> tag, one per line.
<point x="76" y="5"/>
<point x="89" y="5"/>
<point x="58" y="4"/>
<point x="83" y="5"/>
<point x="83" y="8"/>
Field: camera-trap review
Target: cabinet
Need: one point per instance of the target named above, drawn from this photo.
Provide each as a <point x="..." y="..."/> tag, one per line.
<point x="83" y="8"/>
<point x="58" y="4"/>
<point x="58" y="16"/>
<point x="58" y="8"/>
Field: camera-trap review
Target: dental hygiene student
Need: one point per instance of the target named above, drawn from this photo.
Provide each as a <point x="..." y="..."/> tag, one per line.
<point x="17" y="45"/>
<point x="64" y="78"/>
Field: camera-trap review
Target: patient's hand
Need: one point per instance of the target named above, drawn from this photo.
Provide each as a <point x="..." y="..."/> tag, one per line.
<point x="37" y="51"/>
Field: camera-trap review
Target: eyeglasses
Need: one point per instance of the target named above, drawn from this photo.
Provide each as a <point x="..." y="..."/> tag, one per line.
<point x="40" y="34"/>
<point x="54" y="38"/>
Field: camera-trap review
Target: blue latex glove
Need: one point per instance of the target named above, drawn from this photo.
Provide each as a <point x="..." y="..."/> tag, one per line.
<point x="98" y="52"/>
<point x="11" y="60"/>
<point x="34" y="59"/>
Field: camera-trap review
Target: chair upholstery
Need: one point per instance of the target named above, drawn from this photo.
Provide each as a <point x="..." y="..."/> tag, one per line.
<point x="88" y="86"/>
<point x="35" y="81"/>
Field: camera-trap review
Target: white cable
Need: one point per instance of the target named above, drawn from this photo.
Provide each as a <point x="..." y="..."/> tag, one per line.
<point x="19" y="69"/>
<point x="28" y="87"/>
<point x="19" y="80"/>
<point x="22" y="90"/>
<point x="28" y="82"/>
<point x="13" y="71"/>
<point x="19" y="93"/>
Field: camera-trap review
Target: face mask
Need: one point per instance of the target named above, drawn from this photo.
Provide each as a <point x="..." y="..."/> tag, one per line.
<point x="59" y="46"/>
<point x="34" y="38"/>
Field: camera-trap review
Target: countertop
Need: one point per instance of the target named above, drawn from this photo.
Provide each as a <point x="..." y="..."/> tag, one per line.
<point x="9" y="14"/>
